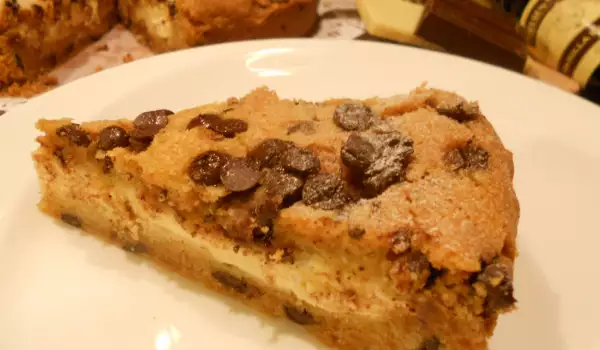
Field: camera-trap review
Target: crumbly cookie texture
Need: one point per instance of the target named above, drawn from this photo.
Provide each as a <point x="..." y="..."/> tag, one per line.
<point x="386" y="223"/>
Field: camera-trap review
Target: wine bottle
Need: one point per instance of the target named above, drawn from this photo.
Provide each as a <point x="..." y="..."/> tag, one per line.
<point x="561" y="34"/>
<point x="564" y="35"/>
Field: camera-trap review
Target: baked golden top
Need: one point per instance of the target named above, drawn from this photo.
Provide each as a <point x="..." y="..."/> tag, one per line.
<point x="368" y="178"/>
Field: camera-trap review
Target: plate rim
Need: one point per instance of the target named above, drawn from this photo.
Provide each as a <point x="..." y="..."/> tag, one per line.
<point x="299" y="43"/>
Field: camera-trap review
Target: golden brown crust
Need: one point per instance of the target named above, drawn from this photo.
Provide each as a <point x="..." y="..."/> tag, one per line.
<point x="438" y="246"/>
<point x="171" y="25"/>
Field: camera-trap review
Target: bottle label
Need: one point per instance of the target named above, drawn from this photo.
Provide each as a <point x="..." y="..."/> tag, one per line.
<point x="565" y="35"/>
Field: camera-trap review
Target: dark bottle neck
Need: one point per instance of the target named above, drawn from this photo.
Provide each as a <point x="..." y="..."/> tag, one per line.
<point x="592" y="89"/>
<point x="514" y="7"/>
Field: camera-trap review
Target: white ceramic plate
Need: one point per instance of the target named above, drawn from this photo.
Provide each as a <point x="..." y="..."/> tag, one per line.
<point x="60" y="289"/>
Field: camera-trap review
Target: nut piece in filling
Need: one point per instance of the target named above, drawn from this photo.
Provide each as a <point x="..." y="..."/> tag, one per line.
<point x="342" y="219"/>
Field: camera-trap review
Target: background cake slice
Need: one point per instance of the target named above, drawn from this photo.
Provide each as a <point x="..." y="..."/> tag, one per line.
<point x="176" y="24"/>
<point x="35" y="36"/>
<point x="375" y="224"/>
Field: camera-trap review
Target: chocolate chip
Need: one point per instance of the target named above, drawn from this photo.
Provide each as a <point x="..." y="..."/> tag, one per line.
<point x="281" y="184"/>
<point x="268" y="153"/>
<point x="206" y="168"/>
<point x="75" y="134"/>
<point x="418" y="263"/>
<point x="498" y="282"/>
<point x="453" y="106"/>
<point x="205" y="120"/>
<point x="107" y="165"/>
<point x="139" y="145"/>
<point x="266" y="209"/>
<point x="136" y="248"/>
<point x="150" y="123"/>
<point x="302" y="317"/>
<point x="356" y="233"/>
<point x="419" y="269"/>
<point x="38" y="11"/>
<point x="19" y="62"/>
<point x="306" y="127"/>
<point x="455" y="159"/>
<point x="390" y="165"/>
<point x="214" y="122"/>
<point x="358" y="153"/>
<point x="265" y="214"/>
<point x="13" y="5"/>
<point x="230" y="281"/>
<point x="353" y="116"/>
<point x="300" y="160"/>
<point x="230" y="127"/>
<point x="172" y="10"/>
<point x="476" y="157"/>
<point x="325" y="191"/>
<point x="431" y="344"/>
<point x="320" y="187"/>
<point x="69" y="48"/>
<point x="377" y="159"/>
<point x="433" y="276"/>
<point x="112" y="137"/>
<point x="58" y="153"/>
<point x="70" y="219"/>
<point x="163" y="195"/>
<point x="288" y="256"/>
<point x="239" y="213"/>
<point x="263" y="234"/>
<point x="467" y="157"/>
<point x="52" y="60"/>
<point x="239" y="174"/>
<point x="2" y="111"/>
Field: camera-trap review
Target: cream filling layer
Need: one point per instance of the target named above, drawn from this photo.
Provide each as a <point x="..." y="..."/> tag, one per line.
<point x="312" y="278"/>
